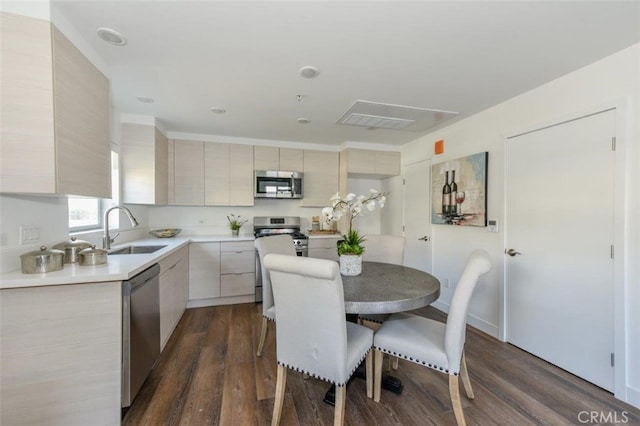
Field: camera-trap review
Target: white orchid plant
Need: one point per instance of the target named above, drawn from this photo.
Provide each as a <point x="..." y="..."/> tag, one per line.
<point x="351" y="207"/>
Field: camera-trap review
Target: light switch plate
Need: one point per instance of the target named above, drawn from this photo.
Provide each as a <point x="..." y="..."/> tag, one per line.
<point x="29" y="234"/>
<point x="492" y="225"/>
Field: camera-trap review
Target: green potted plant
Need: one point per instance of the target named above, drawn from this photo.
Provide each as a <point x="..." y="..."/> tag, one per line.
<point x="235" y="223"/>
<point x="350" y="248"/>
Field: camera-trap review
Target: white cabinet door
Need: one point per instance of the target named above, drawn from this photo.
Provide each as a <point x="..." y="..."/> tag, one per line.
<point x="291" y="160"/>
<point x="324" y="248"/>
<point x="266" y="158"/>
<point x="241" y="189"/>
<point x="204" y="270"/>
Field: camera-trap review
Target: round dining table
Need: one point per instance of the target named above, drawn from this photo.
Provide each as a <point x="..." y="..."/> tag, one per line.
<point x="383" y="288"/>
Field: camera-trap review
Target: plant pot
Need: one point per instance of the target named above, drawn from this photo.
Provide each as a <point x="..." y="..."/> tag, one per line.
<point x="351" y="264"/>
<point x="235" y="232"/>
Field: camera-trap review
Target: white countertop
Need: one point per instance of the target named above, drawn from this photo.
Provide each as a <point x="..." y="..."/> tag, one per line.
<point x="117" y="268"/>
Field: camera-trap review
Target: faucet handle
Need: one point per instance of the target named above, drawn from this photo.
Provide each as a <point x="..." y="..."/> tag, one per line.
<point x="114" y="237"/>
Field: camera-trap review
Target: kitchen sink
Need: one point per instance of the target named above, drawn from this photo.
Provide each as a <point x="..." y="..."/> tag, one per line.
<point x="136" y="250"/>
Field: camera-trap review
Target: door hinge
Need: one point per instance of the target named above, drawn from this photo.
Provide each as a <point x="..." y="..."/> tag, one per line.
<point x="613" y="143"/>
<point x="613" y="359"/>
<point x="402" y="228"/>
<point x="612" y="252"/>
<point x="403" y="181"/>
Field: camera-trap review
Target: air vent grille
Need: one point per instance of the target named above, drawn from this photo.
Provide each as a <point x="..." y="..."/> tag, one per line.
<point x="395" y="117"/>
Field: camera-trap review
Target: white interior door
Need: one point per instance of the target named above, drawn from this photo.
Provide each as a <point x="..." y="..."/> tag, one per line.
<point x="417" y="216"/>
<point x="560" y="218"/>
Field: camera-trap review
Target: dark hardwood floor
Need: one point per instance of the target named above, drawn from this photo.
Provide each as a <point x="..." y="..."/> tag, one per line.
<point x="209" y="374"/>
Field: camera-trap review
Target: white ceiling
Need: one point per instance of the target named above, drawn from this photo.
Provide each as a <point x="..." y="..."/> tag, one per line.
<point x="245" y="56"/>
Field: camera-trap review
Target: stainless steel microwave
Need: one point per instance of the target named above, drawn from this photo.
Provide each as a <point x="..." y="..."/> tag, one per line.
<point x="272" y="184"/>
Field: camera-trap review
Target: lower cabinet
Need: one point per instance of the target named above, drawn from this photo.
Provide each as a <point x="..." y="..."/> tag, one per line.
<point x="174" y="291"/>
<point x="221" y="273"/>
<point x="324" y="248"/>
<point x="237" y="268"/>
<point x="61" y="354"/>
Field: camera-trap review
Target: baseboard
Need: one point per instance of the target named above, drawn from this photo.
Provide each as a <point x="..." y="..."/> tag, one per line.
<point x="633" y="396"/>
<point x="472" y="320"/>
<point x="218" y="301"/>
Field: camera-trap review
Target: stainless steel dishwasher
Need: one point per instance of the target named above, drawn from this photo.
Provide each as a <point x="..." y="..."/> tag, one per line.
<point x="140" y="330"/>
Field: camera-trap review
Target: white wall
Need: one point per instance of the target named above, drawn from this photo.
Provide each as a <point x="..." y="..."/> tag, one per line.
<point x="613" y="80"/>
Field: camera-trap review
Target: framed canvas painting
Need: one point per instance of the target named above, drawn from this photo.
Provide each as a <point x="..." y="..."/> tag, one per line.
<point x="459" y="191"/>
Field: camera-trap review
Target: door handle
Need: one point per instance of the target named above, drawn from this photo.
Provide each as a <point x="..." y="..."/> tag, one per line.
<point x="425" y="238"/>
<point x="512" y="252"/>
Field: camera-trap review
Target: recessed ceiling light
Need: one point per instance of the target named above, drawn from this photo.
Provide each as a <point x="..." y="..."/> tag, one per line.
<point x="303" y="120"/>
<point x="111" y="36"/>
<point x="145" y="99"/>
<point x="217" y="110"/>
<point x="309" y="72"/>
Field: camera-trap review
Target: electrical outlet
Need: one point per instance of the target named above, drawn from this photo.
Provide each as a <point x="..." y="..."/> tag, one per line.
<point x="492" y="225"/>
<point x="29" y="234"/>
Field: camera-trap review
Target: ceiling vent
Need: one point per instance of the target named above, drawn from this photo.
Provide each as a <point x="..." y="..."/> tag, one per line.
<point x="396" y="117"/>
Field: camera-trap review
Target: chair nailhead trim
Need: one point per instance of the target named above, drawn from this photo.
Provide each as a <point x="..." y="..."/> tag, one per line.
<point x="269" y="319"/>
<point x="417" y="361"/>
<point x="300" y="370"/>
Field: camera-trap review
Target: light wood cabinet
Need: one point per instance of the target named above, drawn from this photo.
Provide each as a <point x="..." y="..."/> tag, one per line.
<point x="238" y="266"/>
<point x="144" y="164"/>
<point x="321" y="177"/>
<point x="324" y="248"/>
<point x="61" y="354"/>
<point x="188" y="173"/>
<point x="174" y="291"/>
<point x="204" y="271"/>
<point x="55" y="108"/>
<point x="278" y="159"/>
<point x="228" y="174"/>
<point x="371" y="163"/>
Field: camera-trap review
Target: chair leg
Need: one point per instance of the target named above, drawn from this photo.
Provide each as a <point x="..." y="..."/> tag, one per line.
<point x="454" y="393"/>
<point x="281" y="382"/>
<point x="341" y="399"/>
<point x="377" y="377"/>
<point x="395" y="362"/>
<point x="369" y="370"/>
<point x="464" y="373"/>
<point x="263" y="336"/>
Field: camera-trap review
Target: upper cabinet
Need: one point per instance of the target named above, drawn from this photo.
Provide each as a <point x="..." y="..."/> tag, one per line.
<point x="278" y="159"/>
<point x="321" y="177"/>
<point x="144" y="164"/>
<point x="210" y="174"/>
<point x="370" y="163"/>
<point x="228" y="174"/>
<point x="55" y="114"/>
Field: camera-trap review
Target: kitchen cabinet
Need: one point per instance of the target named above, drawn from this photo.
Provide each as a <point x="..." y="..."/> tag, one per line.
<point x="187" y="174"/>
<point x="144" y="164"/>
<point x="324" y="247"/>
<point x="61" y="354"/>
<point x="204" y="270"/>
<point x="237" y="268"/>
<point x="55" y="135"/>
<point x="210" y="174"/>
<point x="370" y="163"/>
<point x="228" y="174"/>
<point x="321" y="177"/>
<point x="278" y="159"/>
<point x="174" y="291"/>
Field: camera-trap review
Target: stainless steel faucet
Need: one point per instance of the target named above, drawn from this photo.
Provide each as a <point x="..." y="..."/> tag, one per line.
<point x="106" y="238"/>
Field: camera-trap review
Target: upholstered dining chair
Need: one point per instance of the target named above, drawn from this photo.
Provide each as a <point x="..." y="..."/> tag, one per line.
<point x="385" y="249"/>
<point x="432" y="343"/>
<point x="279" y="244"/>
<point x="313" y="335"/>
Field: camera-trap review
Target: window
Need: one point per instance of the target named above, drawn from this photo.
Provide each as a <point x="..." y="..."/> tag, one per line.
<point x="86" y="213"/>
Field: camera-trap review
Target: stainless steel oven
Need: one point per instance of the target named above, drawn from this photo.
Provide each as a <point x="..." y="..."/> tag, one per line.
<point x="264" y="226"/>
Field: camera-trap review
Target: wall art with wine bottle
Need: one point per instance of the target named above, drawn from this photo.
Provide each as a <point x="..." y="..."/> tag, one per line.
<point x="459" y="191"/>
